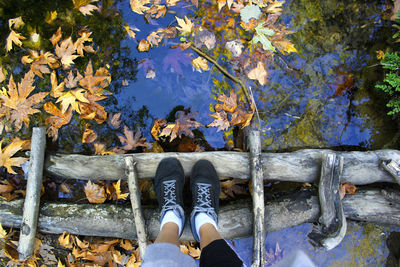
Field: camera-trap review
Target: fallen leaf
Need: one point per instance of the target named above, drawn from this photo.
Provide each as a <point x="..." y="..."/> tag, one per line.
<point x="138" y="6"/>
<point x="125" y="244"/>
<point x="58" y="119"/>
<point x="143" y="46"/>
<point x="56" y="37"/>
<point x="50" y="16"/>
<point x="259" y="73"/>
<point x="56" y="89"/>
<point x="72" y="98"/>
<point x="347" y="188"/>
<point x="93" y="110"/>
<point x="185" y="120"/>
<point x="100" y="149"/>
<point x="200" y="64"/>
<point x="131" y="31"/>
<point x="154" y="38"/>
<point x="95" y="82"/>
<point x="185" y="25"/>
<point x="117" y="187"/>
<point x="194" y="252"/>
<point x="380" y="55"/>
<point x="15" y="23"/>
<point x="79" y="44"/>
<point x="6" y="186"/>
<point x="158" y="123"/>
<point x="285" y="46"/>
<point x="229" y="103"/>
<point x="15" y="38"/>
<point x="131" y="141"/>
<point x="88" y="135"/>
<point x="241" y="117"/>
<point x="88" y="9"/>
<point x="65" y="51"/>
<point x="114" y="120"/>
<point x="3" y="233"/>
<point x="220" y="120"/>
<point x="71" y="81"/>
<point x="95" y="193"/>
<point x="234" y="187"/>
<point x="65" y="240"/>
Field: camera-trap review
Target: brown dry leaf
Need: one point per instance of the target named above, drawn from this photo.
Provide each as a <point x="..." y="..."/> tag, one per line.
<point x="185" y="120"/>
<point x="64" y="188"/>
<point x="241" y="117"/>
<point x="58" y="119"/>
<point x="6" y="186"/>
<point x="114" y="120"/>
<point x="258" y="73"/>
<point x="15" y="38"/>
<point x="71" y="81"/>
<point x="3" y="233"/>
<point x="56" y="89"/>
<point x="40" y="62"/>
<point x="347" y="188"/>
<point x="139" y="6"/>
<point x="157" y="11"/>
<point x="82" y="244"/>
<point x="187" y="145"/>
<point x="96" y="82"/>
<point x="95" y="193"/>
<point x="100" y="149"/>
<point x="93" y="110"/>
<point x="233" y="187"/>
<point x="19" y="102"/>
<point x="154" y="38"/>
<point x="88" y="135"/>
<point x="220" y="120"/>
<point x="131" y="31"/>
<point x="229" y="103"/>
<point x="131" y="141"/>
<point x="185" y="25"/>
<point x="65" y="51"/>
<point x="143" y="46"/>
<point x="117" y="187"/>
<point x="285" y="46"/>
<point x="125" y="244"/>
<point x="80" y="42"/>
<point x="66" y="240"/>
<point x="88" y="9"/>
<point x="56" y="37"/>
<point x="194" y="252"/>
<point x="158" y="123"/>
<point x="6" y="154"/>
<point x="200" y="64"/>
<point x="184" y="249"/>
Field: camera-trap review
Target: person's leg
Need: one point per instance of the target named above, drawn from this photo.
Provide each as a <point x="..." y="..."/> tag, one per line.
<point x="205" y="187"/>
<point x="169" y="234"/>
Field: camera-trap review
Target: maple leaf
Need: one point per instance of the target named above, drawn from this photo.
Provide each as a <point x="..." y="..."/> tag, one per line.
<point x="285" y="46"/>
<point x="117" y="187"/>
<point x="220" y="120"/>
<point x="261" y="35"/>
<point x="154" y="39"/>
<point x="88" y="135"/>
<point x="229" y="103"/>
<point x="233" y="187"/>
<point x="185" y="24"/>
<point x="15" y="38"/>
<point x="143" y="46"/>
<point x="138" y="6"/>
<point x="131" y="141"/>
<point x="71" y="81"/>
<point x="95" y="193"/>
<point x="80" y="43"/>
<point x="88" y="9"/>
<point x="41" y="62"/>
<point x="92" y="109"/>
<point x="241" y="117"/>
<point x="200" y="63"/>
<point x="100" y="149"/>
<point x="56" y="37"/>
<point x="15" y="23"/>
<point x="258" y="73"/>
<point x="65" y="51"/>
<point x="158" y="123"/>
<point x="72" y="97"/>
<point x="56" y="89"/>
<point x="19" y="102"/>
<point x="346" y="188"/>
<point x="58" y="119"/>
<point x="65" y="240"/>
<point x="183" y="123"/>
<point x="6" y="154"/>
<point x="95" y="83"/>
<point x="157" y="11"/>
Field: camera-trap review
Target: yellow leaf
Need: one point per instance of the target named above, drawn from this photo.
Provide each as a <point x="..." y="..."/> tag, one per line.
<point x="95" y="193"/>
<point x="56" y="36"/>
<point x="143" y="46"/>
<point x="9" y="151"/>
<point x="16" y="22"/>
<point x="285" y="46"/>
<point x="130" y="31"/>
<point x="15" y="38"/>
<point x="59" y="264"/>
<point x="56" y="89"/>
<point x="65" y="51"/>
<point x="186" y="25"/>
<point x="117" y="187"/>
<point x="71" y="98"/>
<point x="258" y="73"/>
<point x="3" y="233"/>
<point x="65" y="240"/>
<point x="88" y="135"/>
<point x="50" y="16"/>
<point x="380" y="55"/>
<point x="200" y="64"/>
<point x="138" y="6"/>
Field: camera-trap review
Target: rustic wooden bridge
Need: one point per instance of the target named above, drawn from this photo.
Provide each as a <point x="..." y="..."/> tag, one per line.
<point x="326" y="168"/>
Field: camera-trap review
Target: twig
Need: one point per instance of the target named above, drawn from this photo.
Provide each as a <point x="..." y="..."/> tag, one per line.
<point x="136" y="206"/>
<point x="32" y="198"/>
<point x="225" y="72"/>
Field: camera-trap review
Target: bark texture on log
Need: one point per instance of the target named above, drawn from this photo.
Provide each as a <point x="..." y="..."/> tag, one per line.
<point x="332" y="223"/>
<point x="32" y="198"/>
<point x="376" y="206"/>
<point x="257" y="184"/>
<point x="300" y="166"/>
<point x="133" y="184"/>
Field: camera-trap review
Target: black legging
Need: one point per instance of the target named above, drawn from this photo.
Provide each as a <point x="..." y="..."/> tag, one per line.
<point x="219" y="253"/>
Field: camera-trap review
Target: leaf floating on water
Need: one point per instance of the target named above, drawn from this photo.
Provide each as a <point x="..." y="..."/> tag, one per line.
<point x="143" y="46"/>
<point x="185" y="120"/>
<point x="114" y="120"/>
<point x="95" y="193"/>
<point x="229" y="103"/>
<point x="200" y="64"/>
<point x="139" y="6"/>
<point x="131" y="141"/>
<point x="185" y="25"/>
<point x="58" y="119"/>
<point x="88" y="135"/>
<point x="117" y="187"/>
<point x="56" y="37"/>
<point x="65" y="51"/>
<point x="220" y="120"/>
<point x="258" y="73"/>
<point x="14" y="38"/>
<point x="72" y="98"/>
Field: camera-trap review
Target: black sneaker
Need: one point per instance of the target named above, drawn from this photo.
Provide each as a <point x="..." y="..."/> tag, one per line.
<point x="205" y="187"/>
<point x="168" y="184"/>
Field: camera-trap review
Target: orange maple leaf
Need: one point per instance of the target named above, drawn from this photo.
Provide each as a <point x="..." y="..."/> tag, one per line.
<point x="229" y="103"/>
<point x="97" y="82"/>
<point x="117" y="187"/>
<point x="65" y="51"/>
<point x="95" y="193"/>
<point x="58" y="119"/>
<point x="220" y="120"/>
<point x="93" y="110"/>
<point x="131" y="141"/>
<point x="88" y="135"/>
<point x="19" y="102"/>
<point x="241" y="117"/>
<point x="40" y="62"/>
<point x="185" y="120"/>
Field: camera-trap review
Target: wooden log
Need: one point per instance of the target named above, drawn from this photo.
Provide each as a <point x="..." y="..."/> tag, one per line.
<point x="134" y="191"/>
<point x="301" y="166"/>
<point x="32" y="198"/>
<point x="332" y="223"/>
<point x="257" y="184"/>
<point x="392" y="167"/>
<point x="235" y="221"/>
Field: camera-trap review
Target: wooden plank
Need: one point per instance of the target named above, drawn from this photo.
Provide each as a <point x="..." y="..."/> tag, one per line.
<point x="32" y="198"/>
<point x="133" y="184"/>
<point x="257" y="184"/>
<point x="235" y="221"/>
<point x="300" y="166"/>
